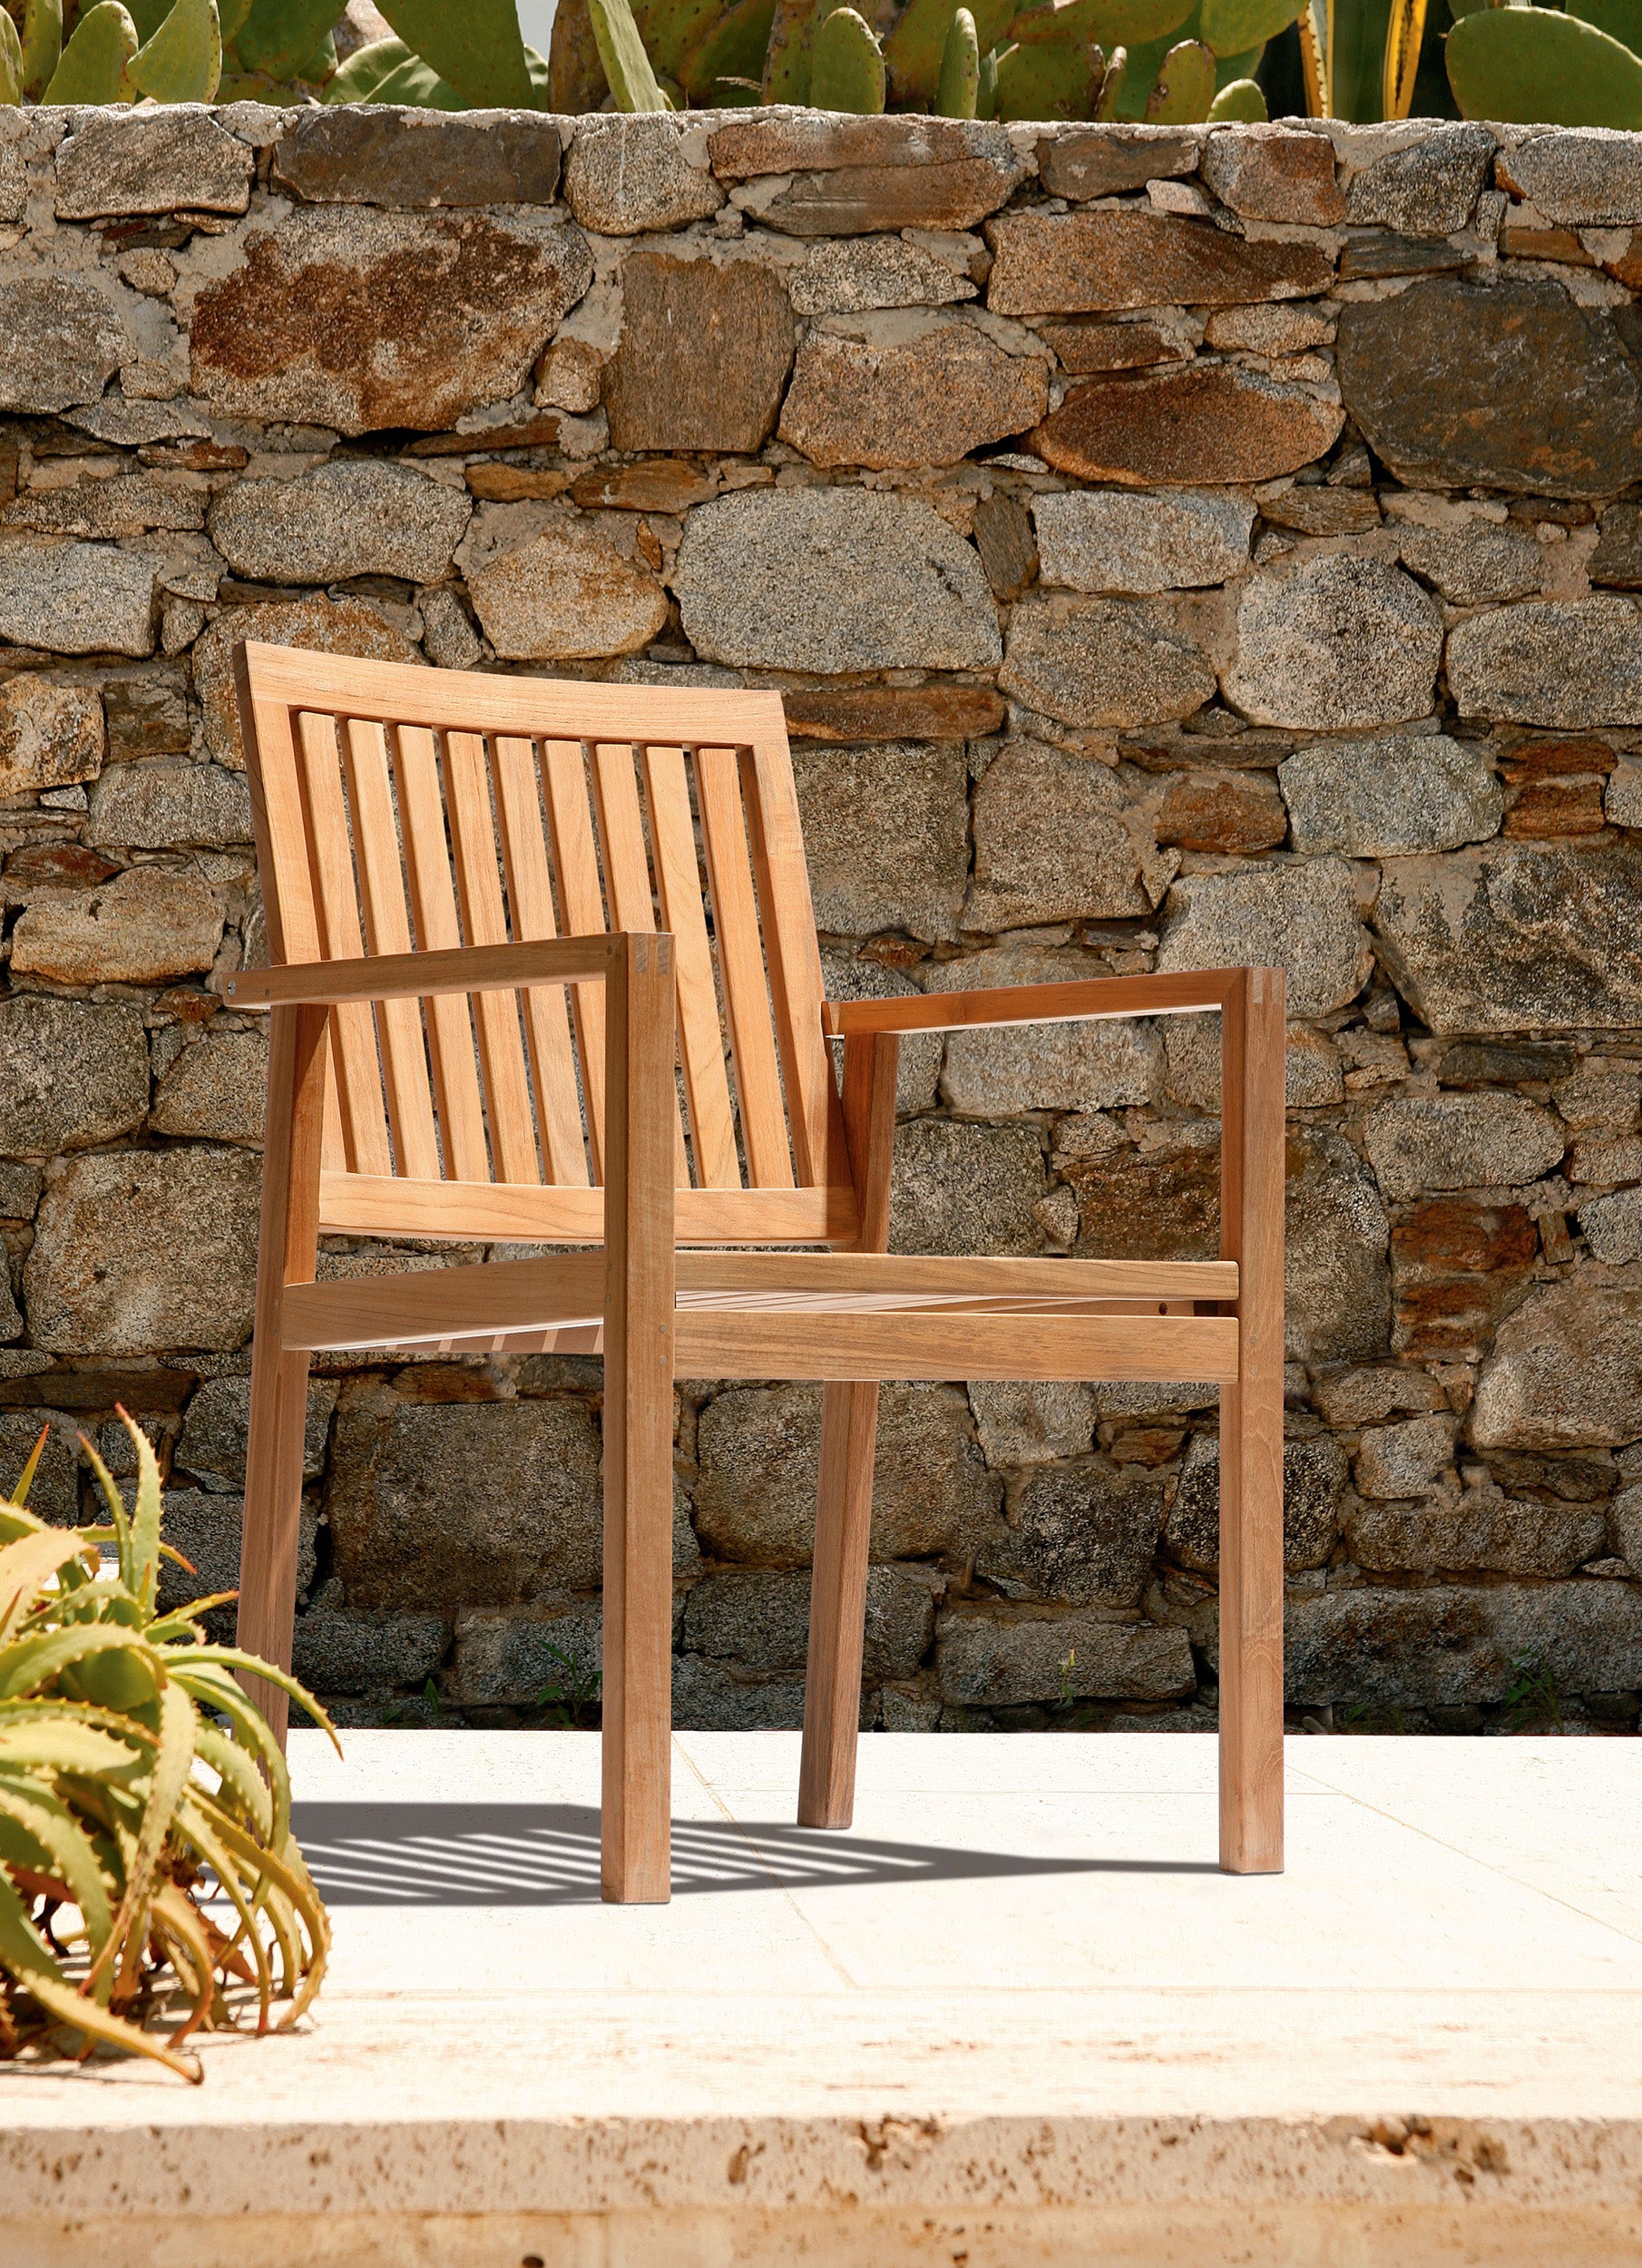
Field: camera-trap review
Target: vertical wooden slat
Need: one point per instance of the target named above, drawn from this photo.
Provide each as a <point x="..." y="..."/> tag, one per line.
<point x="485" y="919"/>
<point x="1252" y="1139"/>
<point x="741" y="959"/>
<point x="530" y="893"/>
<point x="684" y="912"/>
<point x="410" y="1102"/>
<point x="359" y="1075"/>
<point x="791" y="950"/>
<point x="432" y="897"/>
<point x="287" y="1241"/>
<point x="639" y="1292"/>
<point x="627" y="871"/>
<point x="582" y="906"/>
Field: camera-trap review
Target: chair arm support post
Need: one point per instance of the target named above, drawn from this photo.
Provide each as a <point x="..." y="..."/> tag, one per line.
<point x="1254" y="1034"/>
<point x="424" y="975"/>
<point x="640" y="1282"/>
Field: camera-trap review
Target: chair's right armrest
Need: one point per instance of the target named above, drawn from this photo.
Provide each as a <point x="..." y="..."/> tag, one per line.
<point x="1195" y="991"/>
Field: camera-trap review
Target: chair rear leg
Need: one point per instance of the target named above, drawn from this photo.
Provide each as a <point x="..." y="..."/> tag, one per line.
<point x="273" y="1514"/>
<point x="837" y="1606"/>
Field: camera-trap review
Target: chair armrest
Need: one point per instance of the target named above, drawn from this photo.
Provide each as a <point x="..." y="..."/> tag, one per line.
<point x="420" y="976"/>
<point x="1194" y="992"/>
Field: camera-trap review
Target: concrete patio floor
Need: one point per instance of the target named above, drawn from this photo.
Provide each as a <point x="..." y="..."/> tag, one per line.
<point x="1015" y="2016"/>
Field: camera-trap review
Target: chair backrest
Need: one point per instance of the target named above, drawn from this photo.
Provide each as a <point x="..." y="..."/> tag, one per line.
<point x="399" y="808"/>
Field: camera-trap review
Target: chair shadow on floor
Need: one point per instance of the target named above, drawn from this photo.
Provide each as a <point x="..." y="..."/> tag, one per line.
<point x="547" y="1855"/>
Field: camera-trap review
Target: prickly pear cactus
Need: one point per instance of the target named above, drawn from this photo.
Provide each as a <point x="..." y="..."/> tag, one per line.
<point x="847" y="66"/>
<point x="42" y="46"/>
<point x="92" y="65"/>
<point x="1185" y="88"/>
<point x="1535" y="66"/>
<point x="1241" y="102"/>
<point x="11" y="62"/>
<point x="960" y="83"/>
<point x="183" y="61"/>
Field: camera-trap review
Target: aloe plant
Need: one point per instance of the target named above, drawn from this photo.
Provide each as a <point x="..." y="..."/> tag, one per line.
<point x="139" y="1789"/>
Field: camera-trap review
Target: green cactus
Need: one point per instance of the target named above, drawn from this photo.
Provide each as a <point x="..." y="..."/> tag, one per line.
<point x="42" y="46"/>
<point x="959" y="82"/>
<point x="1185" y="88"/>
<point x="93" y="67"/>
<point x="672" y="30"/>
<point x="183" y="61"/>
<point x="1240" y="99"/>
<point x="1135" y="22"/>
<point x="626" y="68"/>
<point x="727" y="65"/>
<point x="475" y="46"/>
<point x="915" y="45"/>
<point x="1037" y="79"/>
<point x="847" y="66"/>
<point x="1111" y="88"/>
<point x="11" y="64"/>
<point x="785" y="77"/>
<point x="1531" y="66"/>
<point x="986" y="85"/>
<point x="278" y="36"/>
<point x="387" y="72"/>
<point x="1229" y="28"/>
<point x="1620" y="19"/>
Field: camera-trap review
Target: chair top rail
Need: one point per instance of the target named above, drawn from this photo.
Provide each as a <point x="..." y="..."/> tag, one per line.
<point x="1195" y="991"/>
<point x="401" y="693"/>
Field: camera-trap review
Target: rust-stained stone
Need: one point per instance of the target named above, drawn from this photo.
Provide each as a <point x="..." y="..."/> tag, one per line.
<point x="1317" y="509"/>
<point x="1101" y="160"/>
<point x="1104" y="661"/>
<point x="853" y="176"/>
<point x="894" y="712"/>
<point x="660" y="485"/>
<point x="1554" y="808"/>
<point x="1078" y="263"/>
<point x="347" y="317"/>
<point x="345" y="626"/>
<point x="927" y="401"/>
<point x="704" y="355"/>
<point x="513" y="484"/>
<point x="567" y="593"/>
<point x="1161" y="1204"/>
<point x="1275" y="173"/>
<point x="415" y="158"/>
<point x="50" y="735"/>
<point x="1007" y="543"/>
<point x="1204" y="425"/>
<point x="1515" y="387"/>
<point x="1455" y="1236"/>
<point x="1233" y="812"/>
<point x="146" y="924"/>
<point x="1084" y="347"/>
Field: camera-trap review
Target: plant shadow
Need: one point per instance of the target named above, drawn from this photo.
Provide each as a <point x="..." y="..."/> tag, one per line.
<point x="547" y="1855"/>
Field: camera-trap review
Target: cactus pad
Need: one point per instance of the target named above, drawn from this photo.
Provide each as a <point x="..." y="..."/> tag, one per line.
<point x="959" y="69"/>
<point x="621" y="51"/>
<point x="42" y="46"/>
<point x="1185" y="88"/>
<point x="1241" y="100"/>
<point x="475" y="46"/>
<point x="1533" y="66"/>
<point x="183" y="61"/>
<point x="1229" y="26"/>
<point x="93" y="68"/>
<point x="847" y="66"/>
<point x="11" y="64"/>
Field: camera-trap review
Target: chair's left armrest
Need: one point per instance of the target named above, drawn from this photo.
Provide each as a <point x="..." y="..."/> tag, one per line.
<point x="1197" y="990"/>
<point x="420" y="976"/>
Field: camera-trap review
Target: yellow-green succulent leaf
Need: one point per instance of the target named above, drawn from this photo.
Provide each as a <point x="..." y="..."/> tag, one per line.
<point x="93" y="63"/>
<point x="42" y="46"/>
<point x="1185" y="88"/>
<point x="1243" y="101"/>
<point x="1229" y="26"/>
<point x="1534" y="66"/>
<point x="475" y="48"/>
<point x="33" y="1661"/>
<point x="64" y="1844"/>
<point x="26" y="1565"/>
<point x="279" y="36"/>
<point x="26" y="1478"/>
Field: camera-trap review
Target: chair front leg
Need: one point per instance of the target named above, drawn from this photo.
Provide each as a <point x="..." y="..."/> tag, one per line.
<point x="1251" y="1431"/>
<point x="639" y="1275"/>
<point x="286" y="1244"/>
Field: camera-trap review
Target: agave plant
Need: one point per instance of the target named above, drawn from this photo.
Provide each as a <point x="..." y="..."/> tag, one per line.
<point x="142" y="1797"/>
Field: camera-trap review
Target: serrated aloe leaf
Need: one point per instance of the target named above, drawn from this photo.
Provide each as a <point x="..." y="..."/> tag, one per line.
<point x="93" y="62"/>
<point x="1185" y="88"/>
<point x="733" y="49"/>
<point x="474" y="47"/>
<point x="60" y="1841"/>
<point x="25" y="1952"/>
<point x="1532" y="66"/>
<point x="1231" y="26"/>
<point x="26" y="1478"/>
<point x="960" y="81"/>
<point x="42" y="46"/>
<point x="167" y="1777"/>
<point x="24" y="1566"/>
<point x="846" y="66"/>
<point x="279" y="36"/>
<point x="66" y="1748"/>
<point x="183" y="61"/>
<point x="1242" y="101"/>
<point x="143" y="1579"/>
<point x="31" y="1661"/>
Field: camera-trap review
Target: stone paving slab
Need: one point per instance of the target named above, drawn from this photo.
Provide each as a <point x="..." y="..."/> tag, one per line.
<point x="1015" y="2016"/>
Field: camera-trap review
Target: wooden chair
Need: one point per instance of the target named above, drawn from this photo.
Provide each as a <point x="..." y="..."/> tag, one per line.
<point x="491" y="901"/>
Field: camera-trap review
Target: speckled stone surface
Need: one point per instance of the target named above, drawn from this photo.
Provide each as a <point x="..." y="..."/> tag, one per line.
<point x="1417" y="2044"/>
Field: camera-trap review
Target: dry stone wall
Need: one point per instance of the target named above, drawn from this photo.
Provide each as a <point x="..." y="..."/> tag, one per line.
<point x="1173" y="547"/>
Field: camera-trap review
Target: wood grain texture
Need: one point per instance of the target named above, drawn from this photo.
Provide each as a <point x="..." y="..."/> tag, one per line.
<point x="507" y="1081"/>
<point x="640" y="1112"/>
<point x="582" y="906"/>
<point x="790" y="947"/>
<point x="426" y="975"/>
<point x="286" y="1246"/>
<point x="627" y="880"/>
<point x="357" y="1075"/>
<point x="387" y="918"/>
<point x="1252" y="1048"/>
<point x="752" y="1038"/>
<point x="530" y="891"/>
<point x="837" y="1608"/>
<point x="432" y="900"/>
<point x="714" y="1345"/>
<point x="1185" y="994"/>
<point x="684" y="914"/>
<point x="356" y="1204"/>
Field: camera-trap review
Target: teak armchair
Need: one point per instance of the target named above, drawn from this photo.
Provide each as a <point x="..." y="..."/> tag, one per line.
<point x="491" y="902"/>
